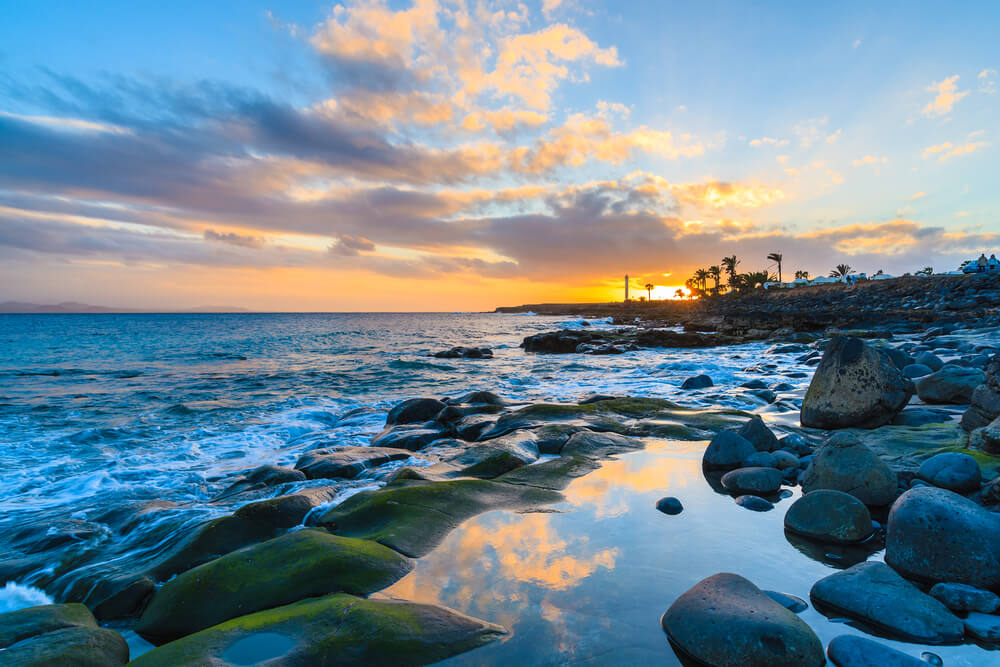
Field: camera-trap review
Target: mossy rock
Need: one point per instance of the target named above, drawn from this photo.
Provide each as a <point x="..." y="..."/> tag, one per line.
<point x="330" y="631"/>
<point x="413" y="516"/>
<point x="58" y="634"/>
<point x="554" y="474"/>
<point x="599" y="445"/>
<point x="906" y="447"/>
<point x="305" y="563"/>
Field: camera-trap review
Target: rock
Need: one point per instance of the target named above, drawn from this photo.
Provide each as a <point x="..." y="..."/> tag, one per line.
<point x="454" y="413"/>
<point x="58" y="634"/>
<point x="754" y="384"/>
<point x="301" y="564"/>
<point x="785" y="460"/>
<point x="407" y="436"/>
<point x="989" y="436"/>
<point x="413" y="517"/>
<point x="854" y="386"/>
<point x="930" y="360"/>
<point x="829" y="516"/>
<point x="874" y="593"/>
<point x="962" y="597"/>
<point x="985" y="402"/>
<point x="697" y="382"/>
<point x="726" y="450"/>
<point x="465" y="353"/>
<point x="843" y="463"/>
<point x="754" y="503"/>
<point x="348" y="462"/>
<point x="726" y="621"/>
<point x="919" y="417"/>
<point x="854" y="651"/>
<point x="790" y="602"/>
<point x="795" y="443"/>
<point x="753" y="480"/>
<point x="951" y="384"/>
<point x="984" y="627"/>
<point x="333" y="630"/>
<point x="936" y="535"/>
<point x="914" y="371"/>
<point x="117" y="597"/>
<point x="953" y="471"/>
<point x="759" y="435"/>
<point x="492" y="458"/>
<point x="478" y="398"/>
<point x="669" y="505"/>
<point x="765" y="395"/>
<point x="599" y="445"/>
<point x="760" y="460"/>
<point x="414" y="410"/>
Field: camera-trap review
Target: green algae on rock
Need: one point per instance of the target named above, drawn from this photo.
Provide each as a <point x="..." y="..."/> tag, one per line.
<point x="334" y="630"/>
<point x="287" y="569"/>
<point x="58" y="634"/>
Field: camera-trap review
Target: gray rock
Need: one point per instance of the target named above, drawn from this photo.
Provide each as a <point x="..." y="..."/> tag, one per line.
<point x="726" y="621"/>
<point x="477" y="398"/>
<point x="760" y="460"/>
<point x="796" y="444"/>
<point x="845" y="464"/>
<point x="855" y="386"/>
<point x="414" y="410"/>
<point x="953" y="471"/>
<point x="914" y="371"/>
<point x="726" y="450"/>
<point x="697" y="382"/>
<point x="790" y="602"/>
<point x="962" y="597"/>
<point x="753" y="480"/>
<point x="936" y="535"/>
<point x="951" y="384"/>
<point x="985" y="402"/>
<point x="829" y="516"/>
<point x="411" y="437"/>
<point x="989" y="436"/>
<point x="919" y="417"/>
<point x="754" y="384"/>
<point x="854" y="651"/>
<point x="874" y="593"/>
<point x="930" y="360"/>
<point x="984" y="627"/>
<point x="785" y="460"/>
<point x="754" y="503"/>
<point x="348" y="462"/>
<point x="759" y="435"/>
<point x="669" y="505"/>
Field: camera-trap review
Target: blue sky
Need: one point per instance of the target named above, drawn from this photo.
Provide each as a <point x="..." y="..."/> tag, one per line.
<point x="447" y="155"/>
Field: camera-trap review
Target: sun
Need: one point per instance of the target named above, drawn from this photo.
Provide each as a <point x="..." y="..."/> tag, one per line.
<point x="669" y="292"/>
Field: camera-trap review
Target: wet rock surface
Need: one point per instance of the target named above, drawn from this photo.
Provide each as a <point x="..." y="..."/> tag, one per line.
<point x="829" y="516"/>
<point x="844" y="463"/>
<point x="854" y="651"/>
<point x="58" y="634"/>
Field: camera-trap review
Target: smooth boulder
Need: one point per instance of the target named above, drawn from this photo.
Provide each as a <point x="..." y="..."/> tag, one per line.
<point x="854" y="651"/>
<point x="759" y="435"/>
<point x="753" y="480"/>
<point x="58" y="634"/>
<point x="845" y="464"/>
<point x="954" y="471"/>
<point x="726" y="621"/>
<point x="829" y="516"/>
<point x="414" y="410"/>
<point x="854" y="386"/>
<point x="697" y="382"/>
<point x="951" y="384"/>
<point x="937" y="535"/>
<point x="874" y="593"/>
<point x="727" y="450"/>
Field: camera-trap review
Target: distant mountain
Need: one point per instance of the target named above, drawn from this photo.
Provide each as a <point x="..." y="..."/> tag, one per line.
<point x="74" y="307"/>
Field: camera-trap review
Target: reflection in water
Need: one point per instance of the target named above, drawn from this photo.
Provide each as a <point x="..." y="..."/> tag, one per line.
<point x="588" y="584"/>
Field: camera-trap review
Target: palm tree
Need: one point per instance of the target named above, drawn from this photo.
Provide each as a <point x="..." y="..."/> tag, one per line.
<point x="776" y="257"/>
<point x="841" y="271"/>
<point x="679" y="293"/>
<point x="802" y="274"/>
<point x="649" y="290"/>
<point x="714" y="272"/>
<point x="729" y="264"/>
<point x="926" y="271"/>
<point x="755" y="279"/>
<point x="701" y="275"/>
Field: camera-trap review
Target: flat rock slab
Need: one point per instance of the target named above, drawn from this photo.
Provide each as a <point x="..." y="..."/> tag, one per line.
<point x="874" y="593"/>
<point x="726" y="621"/>
<point x="984" y="627"/>
<point x="301" y="564"/>
<point x="331" y="631"/>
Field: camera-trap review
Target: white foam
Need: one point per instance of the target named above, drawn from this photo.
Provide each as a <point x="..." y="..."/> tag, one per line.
<point x="14" y="596"/>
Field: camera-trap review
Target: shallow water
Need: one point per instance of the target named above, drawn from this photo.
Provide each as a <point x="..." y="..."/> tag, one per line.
<point x="587" y="582"/>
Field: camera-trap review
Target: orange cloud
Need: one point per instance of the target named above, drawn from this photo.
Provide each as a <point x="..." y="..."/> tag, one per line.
<point x="945" y="98"/>
<point x="947" y="151"/>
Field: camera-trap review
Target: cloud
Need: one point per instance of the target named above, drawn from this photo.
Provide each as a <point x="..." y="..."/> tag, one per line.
<point x="769" y="141"/>
<point x="349" y="246"/>
<point x="503" y="120"/>
<point x="870" y="159"/>
<point x="919" y="195"/>
<point x="856" y="44"/>
<point x="945" y="98"/>
<point x="550" y="6"/>
<point x="833" y="137"/>
<point x="947" y="151"/>
<point x="988" y="81"/>
<point x="233" y="238"/>
<point x="810" y="131"/>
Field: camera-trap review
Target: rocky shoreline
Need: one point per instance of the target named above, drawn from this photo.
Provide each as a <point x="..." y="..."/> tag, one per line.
<point x="880" y="462"/>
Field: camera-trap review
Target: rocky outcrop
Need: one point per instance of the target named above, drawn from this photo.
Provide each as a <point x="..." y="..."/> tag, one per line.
<point x="936" y="535"/>
<point x="726" y="621"/>
<point x="854" y="386"/>
<point x="461" y="352"/>
<point x="845" y="464"/>
<point x="875" y="594"/>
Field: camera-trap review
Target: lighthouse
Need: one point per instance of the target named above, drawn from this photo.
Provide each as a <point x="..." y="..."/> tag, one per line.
<point x="626" y="288"/>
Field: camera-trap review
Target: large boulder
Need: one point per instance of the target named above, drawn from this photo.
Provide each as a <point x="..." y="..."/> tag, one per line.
<point x="829" y="516"/>
<point x="954" y="471"/>
<point x="727" y="450"/>
<point x="845" y="464"/>
<point x="305" y="563"/>
<point x="951" y="384"/>
<point x="985" y="402"/>
<point x="331" y="631"/>
<point x="874" y="593"/>
<point x="936" y="535"/>
<point x="58" y="634"/>
<point x="854" y="386"/>
<point x="726" y="621"/>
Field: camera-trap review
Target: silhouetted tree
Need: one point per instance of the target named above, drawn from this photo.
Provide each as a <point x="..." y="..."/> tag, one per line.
<point x="802" y="274"/>
<point x="649" y="290"/>
<point x="926" y="271"/>
<point x="679" y="293"/>
<point x="729" y="265"/>
<point x="841" y="271"/>
<point x="715" y="273"/>
<point x="701" y="276"/>
<point x="776" y="257"/>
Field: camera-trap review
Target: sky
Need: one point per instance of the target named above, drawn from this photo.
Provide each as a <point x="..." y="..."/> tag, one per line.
<point x="459" y="155"/>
